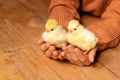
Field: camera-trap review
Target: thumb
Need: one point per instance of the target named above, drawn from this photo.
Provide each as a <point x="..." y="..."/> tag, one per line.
<point x="91" y="54"/>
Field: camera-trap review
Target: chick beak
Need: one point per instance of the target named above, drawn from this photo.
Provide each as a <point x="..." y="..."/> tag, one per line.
<point x="70" y="30"/>
<point x="47" y="30"/>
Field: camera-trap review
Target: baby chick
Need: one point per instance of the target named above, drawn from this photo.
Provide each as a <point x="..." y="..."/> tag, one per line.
<point x="54" y="34"/>
<point x="80" y="36"/>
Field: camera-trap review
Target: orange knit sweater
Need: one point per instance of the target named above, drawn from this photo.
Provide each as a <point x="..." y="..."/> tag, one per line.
<point x="108" y="30"/>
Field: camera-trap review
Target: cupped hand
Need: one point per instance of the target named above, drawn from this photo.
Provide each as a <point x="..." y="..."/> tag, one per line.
<point x="77" y="56"/>
<point x="48" y="49"/>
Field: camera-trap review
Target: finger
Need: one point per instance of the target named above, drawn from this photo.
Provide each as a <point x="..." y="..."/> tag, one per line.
<point x="44" y="46"/>
<point x="92" y="54"/>
<point x="65" y="50"/>
<point x="68" y="57"/>
<point x="55" y="54"/>
<point x="61" y="55"/>
<point x="52" y="48"/>
<point x="49" y="52"/>
<point x="70" y="48"/>
<point x="82" y="57"/>
<point x="86" y="61"/>
<point x="41" y="41"/>
<point x="48" y="45"/>
<point x="79" y="63"/>
<point x="74" y="57"/>
<point x="72" y="53"/>
<point x="80" y="54"/>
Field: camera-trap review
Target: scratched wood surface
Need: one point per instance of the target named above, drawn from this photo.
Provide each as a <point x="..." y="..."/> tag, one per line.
<point x="21" y="25"/>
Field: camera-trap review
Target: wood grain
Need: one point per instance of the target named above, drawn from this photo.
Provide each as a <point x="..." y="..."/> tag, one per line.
<point x="21" y="25"/>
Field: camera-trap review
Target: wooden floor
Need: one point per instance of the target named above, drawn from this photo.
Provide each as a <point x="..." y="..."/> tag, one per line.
<point x="21" y="25"/>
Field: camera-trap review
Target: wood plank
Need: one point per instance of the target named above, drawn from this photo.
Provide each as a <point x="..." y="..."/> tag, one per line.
<point x="108" y="58"/>
<point x="8" y="70"/>
<point x="15" y="53"/>
<point x="21" y="25"/>
<point x="20" y="60"/>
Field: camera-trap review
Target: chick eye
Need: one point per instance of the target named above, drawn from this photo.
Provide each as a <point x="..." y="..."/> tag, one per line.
<point x="52" y="29"/>
<point x="75" y="29"/>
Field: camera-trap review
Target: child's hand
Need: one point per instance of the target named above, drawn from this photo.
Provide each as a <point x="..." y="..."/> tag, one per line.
<point x="50" y="36"/>
<point x="78" y="57"/>
<point x="49" y="50"/>
<point x="54" y="34"/>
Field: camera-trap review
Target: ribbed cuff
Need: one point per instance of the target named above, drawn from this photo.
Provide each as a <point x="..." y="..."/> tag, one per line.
<point x="108" y="33"/>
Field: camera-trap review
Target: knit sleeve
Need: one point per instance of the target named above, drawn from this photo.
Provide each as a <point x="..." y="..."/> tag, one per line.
<point x="64" y="11"/>
<point x="108" y="30"/>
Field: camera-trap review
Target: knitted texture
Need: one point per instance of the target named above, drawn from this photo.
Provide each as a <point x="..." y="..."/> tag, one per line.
<point x="64" y="11"/>
<point x="107" y="30"/>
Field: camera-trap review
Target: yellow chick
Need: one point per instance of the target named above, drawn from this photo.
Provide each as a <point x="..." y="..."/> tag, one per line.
<point x="54" y="34"/>
<point x="81" y="37"/>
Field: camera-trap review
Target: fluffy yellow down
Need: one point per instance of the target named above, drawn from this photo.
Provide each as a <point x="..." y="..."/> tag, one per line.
<point x="51" y="23"/>
<point x="79" y="36"/>
<point x="55" y="34"/>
